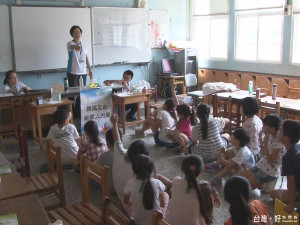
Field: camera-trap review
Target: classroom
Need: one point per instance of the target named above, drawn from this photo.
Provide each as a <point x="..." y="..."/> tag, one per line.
<point x="143" y="59"/>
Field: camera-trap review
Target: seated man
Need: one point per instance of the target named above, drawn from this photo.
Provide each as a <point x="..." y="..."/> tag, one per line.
<point x="127" y="77"/>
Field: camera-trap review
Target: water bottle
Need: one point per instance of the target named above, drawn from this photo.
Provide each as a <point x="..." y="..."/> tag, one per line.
<point x="250" y="87"/>
<point x="274" y="91"/>
<point x="81" y="85"/>
<point x="66" y="84"/>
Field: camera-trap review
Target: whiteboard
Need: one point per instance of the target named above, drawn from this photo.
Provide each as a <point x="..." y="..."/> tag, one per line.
<point x="160" y="23"/>
<point x="120" y="35"/>
<point x="40" y="35"/>
<point x="5" y="41"/>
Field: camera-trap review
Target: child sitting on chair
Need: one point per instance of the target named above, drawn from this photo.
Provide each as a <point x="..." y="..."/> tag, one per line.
<point x="65" y="135"/>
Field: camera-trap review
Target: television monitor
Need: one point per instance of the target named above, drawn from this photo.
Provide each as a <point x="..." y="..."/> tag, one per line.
<point x="168" y="66"/>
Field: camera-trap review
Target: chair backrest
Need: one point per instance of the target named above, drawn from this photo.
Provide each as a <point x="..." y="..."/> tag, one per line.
<point x="268" y="108"/>
<point x="23" y="148"/>
<point x="293" y="93"/>
<point x="190" y="80"/>
<point x="113" y="216"/>
<point x="153" y="90"/>
<point x="97" y="173"/>
<point x="8" y="109"/>
<point x="54" y="161"/>
<point x="157" y="219"/>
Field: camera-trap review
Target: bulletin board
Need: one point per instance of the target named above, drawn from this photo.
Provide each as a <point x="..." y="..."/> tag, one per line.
<point x="5" y="41"/>
<point x="120" y="35"/>
<point x="160" y="23"/>
<point x="40" y="35"/>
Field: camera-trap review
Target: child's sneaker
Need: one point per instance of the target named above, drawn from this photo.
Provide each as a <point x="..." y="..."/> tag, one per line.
<point x="212" y="167"/>
<point x="140" y="133"/>
<point x="179" y="151"/>
<point x="216" y="181"/>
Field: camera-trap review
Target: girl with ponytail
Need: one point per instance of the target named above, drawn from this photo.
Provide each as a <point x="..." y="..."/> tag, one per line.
<point x="145" y="193"/>
<point x="237" y="192"/>
<point x="192" y="201"/>
<point x="162" y="119"/>
<point x="206" y="138"/>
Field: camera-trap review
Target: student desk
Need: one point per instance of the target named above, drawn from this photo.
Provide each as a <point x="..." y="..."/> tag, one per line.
<point x="163" y="81"/>
<point x="75" y="91"/>
<point x="289" y="108"/>
<point x="12" y="184"/>
<point x="237" y="97"/>
<point x="28" y="208"/>
<point x="21" y="107"/>
<point x="37" y="111"/>
<point x="122" y="99"/>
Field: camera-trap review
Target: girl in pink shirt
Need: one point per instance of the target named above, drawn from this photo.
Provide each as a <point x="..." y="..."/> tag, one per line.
<point x="182" y="133"/>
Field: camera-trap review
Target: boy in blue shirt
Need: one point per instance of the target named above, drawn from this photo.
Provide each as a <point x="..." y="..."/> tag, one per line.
<point x="289" y="135"/>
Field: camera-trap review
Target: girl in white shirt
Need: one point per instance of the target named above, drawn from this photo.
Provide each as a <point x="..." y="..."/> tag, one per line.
<point x="11" y="84"/>
<point x="165" y="118"/>
<point x="145" y="193"/>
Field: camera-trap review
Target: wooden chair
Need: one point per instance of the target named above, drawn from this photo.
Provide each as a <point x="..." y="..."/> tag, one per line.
<point x="49" y="185"/>
<point x="154" y="105"/>
<point x="8" y="129"/>
<point x="85" y="212"/>
<point x="268" y="108"/>
<point x="293" y="93"/>
<point x="224" y="107"/>
<point x="157" y="219"/>
<point x="22" y="161"/>
<point x="113" y="216"/>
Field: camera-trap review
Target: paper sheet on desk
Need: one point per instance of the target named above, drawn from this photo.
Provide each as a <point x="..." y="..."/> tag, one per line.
<point x="5" y="169"/>
<point x="9" y="219"/>
<point x="6" y="95"/>
<point x="124" y="94"/>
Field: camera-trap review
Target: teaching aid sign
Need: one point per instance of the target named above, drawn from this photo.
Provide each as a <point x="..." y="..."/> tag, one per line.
<point x="96" y="104"/>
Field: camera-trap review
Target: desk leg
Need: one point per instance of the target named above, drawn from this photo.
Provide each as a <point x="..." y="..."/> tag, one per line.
<point x="33" y="126"/>
<point x="138" y="111"/>
<point x="39" y="124"/>
<point x="70" y="105"/>
<point x="147" y="108"/>
<point x="159" y="85"/>
<point x="123" y="116"/>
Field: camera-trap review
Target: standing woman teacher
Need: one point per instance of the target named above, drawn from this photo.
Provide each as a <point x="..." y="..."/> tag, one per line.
<point x="78" y="62"/>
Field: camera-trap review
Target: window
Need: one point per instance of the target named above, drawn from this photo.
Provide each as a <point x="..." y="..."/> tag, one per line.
<point x="211" y="36"/>
<point x="259" y="30"/>
<point x="259" y="36"/>
<point x="295" y="49"/>
<point x="210" y="28"/>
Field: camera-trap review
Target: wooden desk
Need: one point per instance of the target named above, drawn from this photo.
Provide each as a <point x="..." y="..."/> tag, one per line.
<point x="21" y="108"/>
<point x="28" y="208"/>
<point x="289" y="108"/>
<point x="47" y="109"/>
<point x="237" y="97"/>
<point x="179" y="80"/>
<point x="12" y="184"/>
<point x="75" y="91"/>
<point x="122" y="99"/>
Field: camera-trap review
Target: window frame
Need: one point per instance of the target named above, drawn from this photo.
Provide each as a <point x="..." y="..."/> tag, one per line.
<point x="210" y="18"/>
<point x="258" y="13"/>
